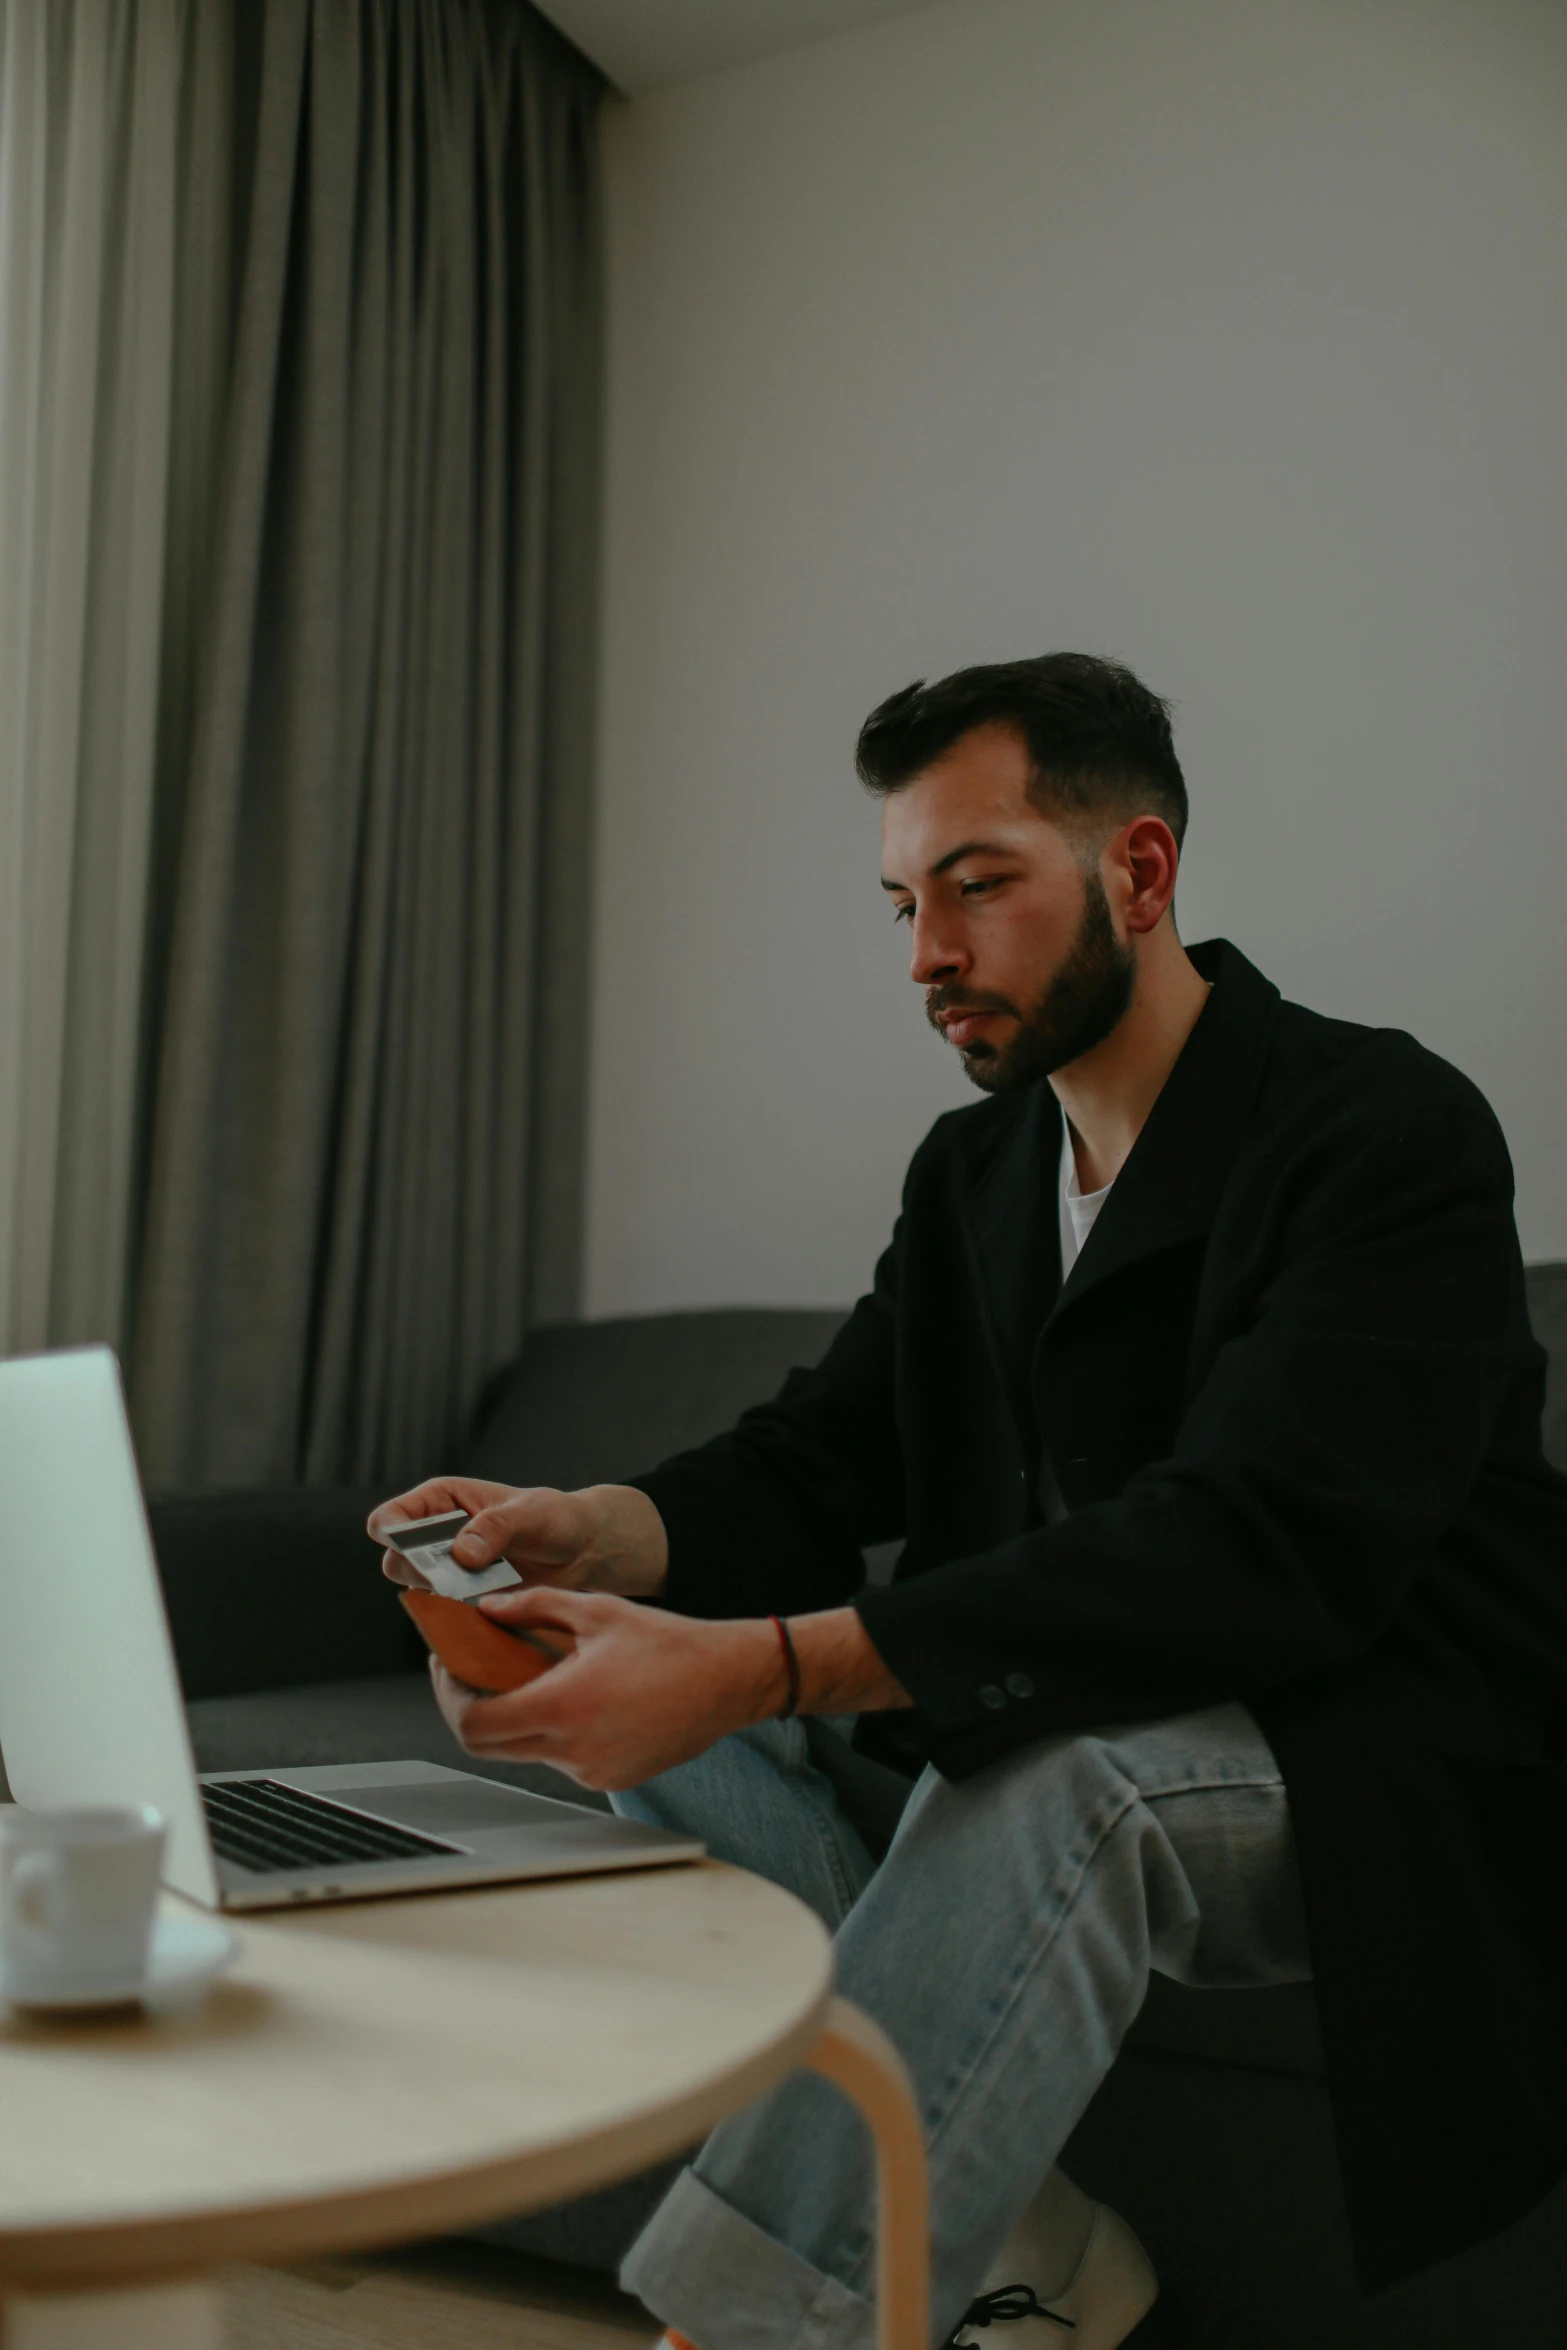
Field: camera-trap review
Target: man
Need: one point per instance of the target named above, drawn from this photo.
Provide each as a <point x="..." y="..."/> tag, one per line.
<point x="1198" y="1382"/>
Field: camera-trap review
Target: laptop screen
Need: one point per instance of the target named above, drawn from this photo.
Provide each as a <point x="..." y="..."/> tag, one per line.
<point x="90" y="1703"/>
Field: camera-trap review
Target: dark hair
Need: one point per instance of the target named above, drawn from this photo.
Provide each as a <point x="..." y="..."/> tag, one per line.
<point x="1099" y="739"/>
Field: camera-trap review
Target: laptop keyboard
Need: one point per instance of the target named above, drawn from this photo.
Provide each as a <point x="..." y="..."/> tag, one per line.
<point x="261" y="1824"/>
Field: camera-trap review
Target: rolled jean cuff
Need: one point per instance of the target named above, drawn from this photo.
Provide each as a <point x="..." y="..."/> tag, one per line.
<point x="704" y="2268"/>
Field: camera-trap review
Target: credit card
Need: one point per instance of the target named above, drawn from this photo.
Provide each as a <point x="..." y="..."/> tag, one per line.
<point x="427" y="1546"/>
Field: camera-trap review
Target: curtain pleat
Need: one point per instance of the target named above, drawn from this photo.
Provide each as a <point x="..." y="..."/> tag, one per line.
<point x="97" y="149"/>
<point x="352" y="1210"/>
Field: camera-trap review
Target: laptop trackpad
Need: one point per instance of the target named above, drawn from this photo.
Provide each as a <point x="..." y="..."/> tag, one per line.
<point x="450" y="1806"/>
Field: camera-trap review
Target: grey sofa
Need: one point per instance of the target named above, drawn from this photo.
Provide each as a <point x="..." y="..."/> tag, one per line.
<point x="1213" y="2131"/>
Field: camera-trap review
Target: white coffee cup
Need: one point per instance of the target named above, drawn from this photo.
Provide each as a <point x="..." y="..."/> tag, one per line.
<point x="78" y="1887"/>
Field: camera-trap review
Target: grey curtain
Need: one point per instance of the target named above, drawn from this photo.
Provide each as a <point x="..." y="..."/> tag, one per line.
<point x="365" y="997"/>
<point x="114" y="139"/>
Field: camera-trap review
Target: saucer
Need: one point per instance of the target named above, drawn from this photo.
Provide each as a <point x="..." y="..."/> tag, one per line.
<point x="184" y="1956"/>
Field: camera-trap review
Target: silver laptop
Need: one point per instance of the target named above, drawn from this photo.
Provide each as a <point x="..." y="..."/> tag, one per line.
<point x="91" y="1709"/>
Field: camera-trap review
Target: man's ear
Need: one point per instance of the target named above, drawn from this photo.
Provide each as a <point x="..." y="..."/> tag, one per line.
<point x="1147" y="858"/>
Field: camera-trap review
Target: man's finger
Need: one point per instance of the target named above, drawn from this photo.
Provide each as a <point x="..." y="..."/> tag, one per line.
<point x="396" y="1512"/>
<point x="539" y="1607"/>
<point x="436" y="1497"/>
<point x="486" y="1724"/>
<point x="528" y="1713"/>
<point x="528" y="1524"/>
<point x="522" y="1746"/>
<point x="454" y="1697"/>
<point x="470" y="1719"/>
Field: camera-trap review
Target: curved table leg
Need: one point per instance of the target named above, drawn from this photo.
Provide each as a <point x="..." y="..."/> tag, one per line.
<point x="857" y="2056"/>
<point x="156" y="2317"/>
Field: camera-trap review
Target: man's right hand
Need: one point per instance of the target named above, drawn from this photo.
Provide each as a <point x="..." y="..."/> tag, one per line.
<point x="603" y="1538"/>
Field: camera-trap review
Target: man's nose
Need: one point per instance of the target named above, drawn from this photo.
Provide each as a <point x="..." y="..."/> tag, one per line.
<point x="935" y="955"/>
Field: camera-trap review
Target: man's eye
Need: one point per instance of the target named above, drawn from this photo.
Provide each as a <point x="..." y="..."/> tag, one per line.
<point x="901" y="913"/>
<point x="970" y="889"/>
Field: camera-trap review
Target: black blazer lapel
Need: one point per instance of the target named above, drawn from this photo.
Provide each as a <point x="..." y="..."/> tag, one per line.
<point x="1169" y="1188"/>
<point x="1014" y="1236"/>
<point x="1167" y="1191"/>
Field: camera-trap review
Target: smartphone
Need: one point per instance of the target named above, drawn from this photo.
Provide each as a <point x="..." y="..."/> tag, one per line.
<point x="427" y="1546"/>
<point x="477" y="1650"/>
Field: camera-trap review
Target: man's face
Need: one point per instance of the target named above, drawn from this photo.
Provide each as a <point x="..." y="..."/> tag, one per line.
<point x="1012" y="936"/>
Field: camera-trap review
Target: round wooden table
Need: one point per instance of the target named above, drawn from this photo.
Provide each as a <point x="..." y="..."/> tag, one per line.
<point x="379" y="2070"/>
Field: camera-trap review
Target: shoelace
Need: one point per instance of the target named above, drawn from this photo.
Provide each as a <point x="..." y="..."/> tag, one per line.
<point x="1000" y="2308"/>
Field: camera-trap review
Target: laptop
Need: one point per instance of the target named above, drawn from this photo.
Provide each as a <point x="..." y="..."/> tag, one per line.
<point x="91" y="1709"/>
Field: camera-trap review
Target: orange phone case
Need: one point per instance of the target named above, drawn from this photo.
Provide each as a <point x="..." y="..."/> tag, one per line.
<point x="478" y="1651"/>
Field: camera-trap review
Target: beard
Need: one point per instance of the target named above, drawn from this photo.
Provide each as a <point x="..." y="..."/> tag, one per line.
<point x="1081" y="1003"/>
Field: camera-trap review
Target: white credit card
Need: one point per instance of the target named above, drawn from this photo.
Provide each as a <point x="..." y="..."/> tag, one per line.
<point x="427" y="1546"/>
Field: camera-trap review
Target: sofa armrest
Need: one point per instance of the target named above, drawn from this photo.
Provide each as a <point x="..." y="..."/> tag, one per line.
<point x="270" y="1590"/>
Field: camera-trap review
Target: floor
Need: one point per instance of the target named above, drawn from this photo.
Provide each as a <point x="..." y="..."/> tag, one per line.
<point x="447" y="2296"/>
<point x="466" y="2296"/>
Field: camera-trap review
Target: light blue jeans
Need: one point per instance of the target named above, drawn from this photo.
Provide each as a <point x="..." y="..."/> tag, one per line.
<point x="1004" y="1944"/>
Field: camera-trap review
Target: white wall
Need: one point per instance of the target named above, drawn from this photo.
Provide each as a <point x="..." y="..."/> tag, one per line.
<point x="1226" y="337"/>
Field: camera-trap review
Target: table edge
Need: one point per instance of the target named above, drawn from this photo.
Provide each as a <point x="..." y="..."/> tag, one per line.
<point x="146" y="2251"/>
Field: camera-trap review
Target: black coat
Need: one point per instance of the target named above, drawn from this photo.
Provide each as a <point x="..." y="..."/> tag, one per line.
<point x="1291" y="1401"/>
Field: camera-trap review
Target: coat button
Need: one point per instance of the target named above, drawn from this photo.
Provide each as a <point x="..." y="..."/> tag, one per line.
<point x="1020" y="1685"/>
<point x="992" y="1696"/>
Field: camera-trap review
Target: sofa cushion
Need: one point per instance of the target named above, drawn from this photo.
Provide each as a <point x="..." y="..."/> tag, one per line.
<point x="388" y="1717"/>
<point x="1275" y="2031"/>
<point x="592" y="1403"/>
<point x="268" y="1589"/>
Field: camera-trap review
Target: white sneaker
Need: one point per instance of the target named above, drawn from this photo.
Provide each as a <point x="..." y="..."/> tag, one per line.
<point x="1112" y="2288"/>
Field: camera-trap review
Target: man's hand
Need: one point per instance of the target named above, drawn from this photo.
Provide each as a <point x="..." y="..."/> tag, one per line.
<point x="641" y="1692"/>
<point x="604" y="1538"/>
<point x="644" y="1690"/>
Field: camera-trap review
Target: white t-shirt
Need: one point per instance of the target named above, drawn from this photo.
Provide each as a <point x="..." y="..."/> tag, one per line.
<point x="1078" y="1209"/>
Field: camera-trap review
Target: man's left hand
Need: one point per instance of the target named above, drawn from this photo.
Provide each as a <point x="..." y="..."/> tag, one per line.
<point x="642" y="1691"/>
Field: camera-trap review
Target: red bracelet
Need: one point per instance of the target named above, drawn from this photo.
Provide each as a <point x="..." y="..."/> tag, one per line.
<point x="791" y="1666"/>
